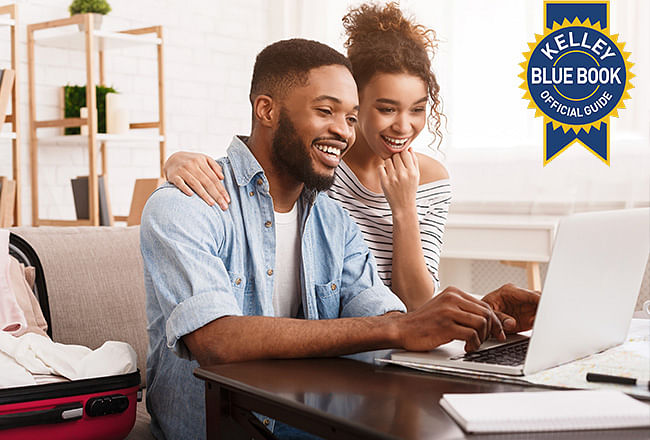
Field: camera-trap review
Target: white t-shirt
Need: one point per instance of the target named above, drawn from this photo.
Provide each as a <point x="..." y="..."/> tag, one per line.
<point x="286" y="286"/>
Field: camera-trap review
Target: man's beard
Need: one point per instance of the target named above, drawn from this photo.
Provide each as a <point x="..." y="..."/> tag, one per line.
<point x="290" y="155"/>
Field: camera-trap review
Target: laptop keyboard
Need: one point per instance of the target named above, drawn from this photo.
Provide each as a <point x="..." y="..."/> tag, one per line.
<point x="509" y="354"/>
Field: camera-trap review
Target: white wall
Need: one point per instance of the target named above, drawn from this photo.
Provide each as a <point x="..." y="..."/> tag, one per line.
<point x="210" y="48"/>
<point x="209" y="52"/>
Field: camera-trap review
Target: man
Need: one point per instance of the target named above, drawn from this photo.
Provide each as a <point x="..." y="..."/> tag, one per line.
<point x="284" y="272"/>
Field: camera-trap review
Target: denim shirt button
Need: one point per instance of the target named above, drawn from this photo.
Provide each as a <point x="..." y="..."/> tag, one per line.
<point x="266" y="422"/>
<point x="238" y="281"/>
<point x="268" y="224"/>
<point x="260" y="181"/>
<point x="269" y="272"/>
<point x="252" y="193"/>
<point x="333" y="286"/>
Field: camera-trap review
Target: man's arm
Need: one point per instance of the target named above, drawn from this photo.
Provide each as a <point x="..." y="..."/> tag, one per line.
<point x="450" y="315"/>
<point x="241" y="338"/>
<point x="188" y="285"/>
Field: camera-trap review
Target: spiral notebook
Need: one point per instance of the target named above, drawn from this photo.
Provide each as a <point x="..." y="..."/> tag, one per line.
<point x="545" y="411"/>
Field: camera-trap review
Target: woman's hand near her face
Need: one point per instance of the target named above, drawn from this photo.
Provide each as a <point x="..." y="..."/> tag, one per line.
<point x="411" y="279"/>
<point x="197" y="173"/>
<point x="399" y="178"/>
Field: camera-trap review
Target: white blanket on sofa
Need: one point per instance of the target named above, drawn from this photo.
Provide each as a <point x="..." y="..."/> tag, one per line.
<point x="32" y="354"/>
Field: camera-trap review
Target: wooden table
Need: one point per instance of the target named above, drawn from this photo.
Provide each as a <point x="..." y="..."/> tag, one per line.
<point x="346" y="399"/>
<point x="518" y="240"/>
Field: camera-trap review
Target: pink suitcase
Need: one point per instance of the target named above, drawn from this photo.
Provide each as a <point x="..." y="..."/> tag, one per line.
<point x="98" y="408"/>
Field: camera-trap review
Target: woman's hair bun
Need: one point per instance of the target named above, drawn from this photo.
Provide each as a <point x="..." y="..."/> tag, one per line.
<point x="368" y="22"/>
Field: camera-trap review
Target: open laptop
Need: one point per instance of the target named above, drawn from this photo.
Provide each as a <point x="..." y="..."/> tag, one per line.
<point x="591" y="287"/>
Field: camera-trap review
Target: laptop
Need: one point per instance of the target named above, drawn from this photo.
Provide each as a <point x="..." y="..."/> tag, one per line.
<point x="591" y="287"/>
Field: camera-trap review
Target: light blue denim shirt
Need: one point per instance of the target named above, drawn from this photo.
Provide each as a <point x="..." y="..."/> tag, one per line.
<point x="202" y="263"/>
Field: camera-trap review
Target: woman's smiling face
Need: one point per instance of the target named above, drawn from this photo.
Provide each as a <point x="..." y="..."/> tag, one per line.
<point x="393" y="111"/>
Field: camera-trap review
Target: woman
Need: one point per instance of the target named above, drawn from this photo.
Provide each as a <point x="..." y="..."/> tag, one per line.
<point x="399" y="198"/>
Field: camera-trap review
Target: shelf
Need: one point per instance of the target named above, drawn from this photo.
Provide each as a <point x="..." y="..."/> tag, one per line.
<point x="77" y="139"/>
<point x="63" y="34"/>
<point x="10" y="210"/>
<point x="6" y="21"/>
<point x="103" y="40"/>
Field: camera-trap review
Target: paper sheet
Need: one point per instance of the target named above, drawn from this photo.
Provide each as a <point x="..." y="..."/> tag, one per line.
<point x="631" y="359"/>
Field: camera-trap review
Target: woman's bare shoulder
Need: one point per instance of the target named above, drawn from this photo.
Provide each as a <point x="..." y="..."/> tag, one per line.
<point x="431" y="170"/>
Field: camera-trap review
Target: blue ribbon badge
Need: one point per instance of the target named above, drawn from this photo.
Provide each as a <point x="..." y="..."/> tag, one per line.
<point x="576" y="76"/>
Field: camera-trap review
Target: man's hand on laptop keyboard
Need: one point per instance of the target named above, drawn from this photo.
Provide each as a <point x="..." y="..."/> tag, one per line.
<point x="515" y="307"/>
<point x="453" y="314"/>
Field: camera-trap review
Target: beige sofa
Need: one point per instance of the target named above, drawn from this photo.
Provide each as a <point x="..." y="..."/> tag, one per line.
<point x="96" y="290"/>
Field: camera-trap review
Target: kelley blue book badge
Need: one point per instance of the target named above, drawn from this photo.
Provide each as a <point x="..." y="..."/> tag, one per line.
<point x="576" y="76"/>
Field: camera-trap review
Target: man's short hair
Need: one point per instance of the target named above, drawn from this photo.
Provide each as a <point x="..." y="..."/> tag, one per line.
<point x="286" y="64"/>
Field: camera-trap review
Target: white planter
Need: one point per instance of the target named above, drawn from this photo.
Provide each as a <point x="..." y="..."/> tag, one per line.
<point x="97" y="22"/>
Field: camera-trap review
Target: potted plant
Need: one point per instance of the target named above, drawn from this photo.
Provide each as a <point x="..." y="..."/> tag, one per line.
<point x="74" y="97"/>
<point x="97" y="7"/>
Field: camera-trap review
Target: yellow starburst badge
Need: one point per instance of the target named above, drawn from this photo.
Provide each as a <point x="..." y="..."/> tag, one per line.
<point x="576" y="76"/>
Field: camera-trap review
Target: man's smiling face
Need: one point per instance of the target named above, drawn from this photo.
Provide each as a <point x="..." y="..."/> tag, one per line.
<point x="316" y="126"/>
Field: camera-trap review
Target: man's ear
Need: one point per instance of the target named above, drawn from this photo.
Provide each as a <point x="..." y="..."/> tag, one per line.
<point x="264" y="109"/>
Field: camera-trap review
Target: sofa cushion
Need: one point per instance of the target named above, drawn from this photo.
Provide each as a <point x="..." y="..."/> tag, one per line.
<point x="95" y="284"/>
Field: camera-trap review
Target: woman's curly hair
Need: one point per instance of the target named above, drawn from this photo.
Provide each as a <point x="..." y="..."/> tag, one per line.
<point x="381" y="40"/>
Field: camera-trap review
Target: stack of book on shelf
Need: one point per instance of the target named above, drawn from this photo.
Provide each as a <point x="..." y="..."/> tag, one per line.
<point x="80" y="193"/>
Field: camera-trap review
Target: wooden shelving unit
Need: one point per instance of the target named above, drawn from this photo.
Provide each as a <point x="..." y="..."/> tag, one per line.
<point x="9" y="19"/>
<point x="91" y="41"/>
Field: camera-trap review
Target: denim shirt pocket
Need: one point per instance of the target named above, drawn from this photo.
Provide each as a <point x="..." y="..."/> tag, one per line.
<point x="328" y="299"/>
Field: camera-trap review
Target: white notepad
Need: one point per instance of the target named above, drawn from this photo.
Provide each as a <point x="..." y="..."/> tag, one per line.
<point x="546" y="411"/>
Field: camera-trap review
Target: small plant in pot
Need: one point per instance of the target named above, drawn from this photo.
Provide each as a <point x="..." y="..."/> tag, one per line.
<point x="97" y="7"/>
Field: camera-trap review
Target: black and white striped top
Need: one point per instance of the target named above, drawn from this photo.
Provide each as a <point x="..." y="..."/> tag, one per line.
<point x="372" y="213"/>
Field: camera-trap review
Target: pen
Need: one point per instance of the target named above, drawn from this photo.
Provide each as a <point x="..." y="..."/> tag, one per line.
<point x="596" y="377"/>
